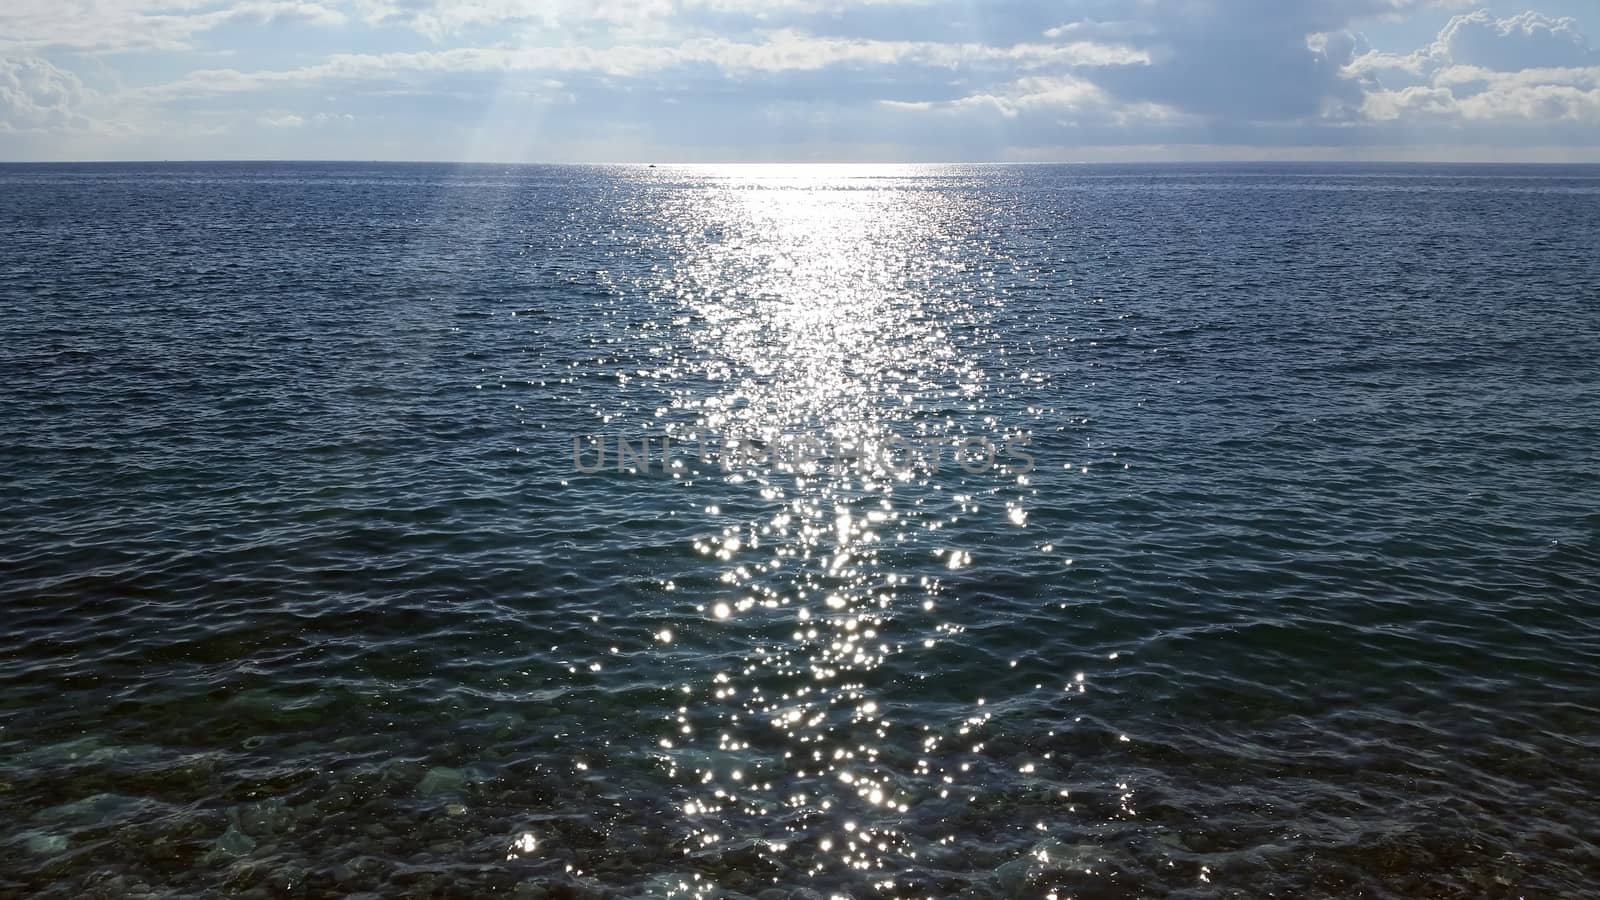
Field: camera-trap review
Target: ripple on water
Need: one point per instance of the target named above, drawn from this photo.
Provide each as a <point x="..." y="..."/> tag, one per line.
<point x="306" y="597"/>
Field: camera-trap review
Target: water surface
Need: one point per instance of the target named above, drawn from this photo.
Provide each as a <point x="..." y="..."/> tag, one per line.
<point x="1294" y="592"/>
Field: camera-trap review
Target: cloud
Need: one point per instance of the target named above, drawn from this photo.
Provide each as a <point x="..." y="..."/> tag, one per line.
<point x="1089" y="29"/>
<point x="295" y="120"/>
<point x="1525" y="41"/>
<point x="1247" y="60"/>
<point x="779" y="52"/>
<point x="1472" y="94"/>
<point x="1527" y="68"/>
<point x="1060" y="93"/>
<point x="285" y="13"/>
<point x="931" y="76"/>
<point x="1054" y="95"/>
<point x="36" y="96"/>
<point x="148" y="25"/>
<point x="442" y="19"/>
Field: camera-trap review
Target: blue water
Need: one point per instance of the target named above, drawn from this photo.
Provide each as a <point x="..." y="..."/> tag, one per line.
<point x="1292" y="590"/>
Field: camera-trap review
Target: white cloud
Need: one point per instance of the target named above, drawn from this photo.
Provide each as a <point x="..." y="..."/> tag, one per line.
<point x="1525" y="41"/>
<point x="1055" y="94"/>
<point x="779" y="52"/>
<point x="442" y="19"/>
<point x="1389" y="106"/>
<point x="1474" y="75"/>
<point x="122" y="25"/>
<point x="295" y="120"/>
<point x="1526" y="68"/>
<point x="283" y="13"/>
<point x="37" y="96"/>
<point x="1092" y="29"/>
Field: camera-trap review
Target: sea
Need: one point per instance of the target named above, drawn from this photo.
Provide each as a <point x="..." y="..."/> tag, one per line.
<point x="799" y="531"/>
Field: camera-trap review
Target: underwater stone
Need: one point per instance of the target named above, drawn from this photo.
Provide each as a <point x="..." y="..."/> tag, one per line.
<point x="441" y="780"/>
<point x="235" y="842"/>
<point x="265" y="817"/>
<point x="45" y="844"/>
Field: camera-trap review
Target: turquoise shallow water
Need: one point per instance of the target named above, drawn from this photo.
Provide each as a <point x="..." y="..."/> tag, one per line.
<point x="1284" y="579"/>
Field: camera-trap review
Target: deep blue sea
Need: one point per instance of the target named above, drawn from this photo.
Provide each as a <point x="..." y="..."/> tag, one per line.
<point x="375" y="530"/>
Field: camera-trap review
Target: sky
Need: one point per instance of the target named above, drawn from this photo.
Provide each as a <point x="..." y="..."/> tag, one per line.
<point x="800" y="80"/>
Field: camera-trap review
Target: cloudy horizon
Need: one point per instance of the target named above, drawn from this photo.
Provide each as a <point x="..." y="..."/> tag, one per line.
<point x="799" y="80"/>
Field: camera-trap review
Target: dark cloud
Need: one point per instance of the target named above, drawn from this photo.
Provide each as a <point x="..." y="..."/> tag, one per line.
<point x="1252" y="60"/>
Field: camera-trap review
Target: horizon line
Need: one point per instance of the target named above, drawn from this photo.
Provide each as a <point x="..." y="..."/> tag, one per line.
<point x="841" y="162"/>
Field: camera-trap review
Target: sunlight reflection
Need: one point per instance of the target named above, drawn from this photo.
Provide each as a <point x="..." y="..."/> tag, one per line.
<point x="819" y="307"/>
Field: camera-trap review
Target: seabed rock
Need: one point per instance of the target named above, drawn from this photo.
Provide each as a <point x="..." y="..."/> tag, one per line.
<point x="265" y="817"/>
<point x="442" y="780"/>
<point x="235" y="842"/>
<point x="43" y="843"/>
